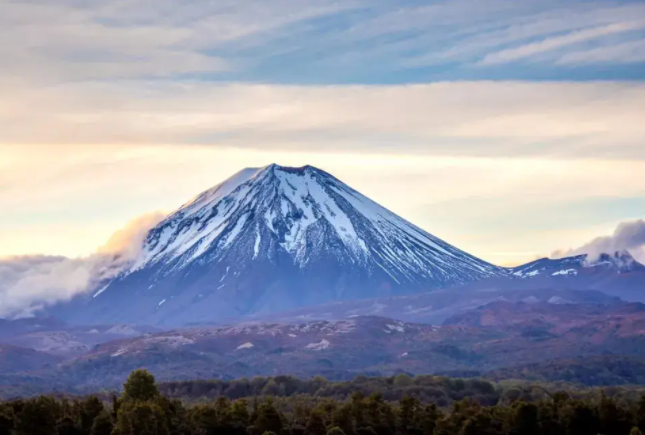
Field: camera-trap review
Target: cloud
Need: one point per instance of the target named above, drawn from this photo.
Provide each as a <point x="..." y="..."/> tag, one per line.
<point x="30" y="283"/>
<point x="627" y="52"/>
<point x="127" y="242"/>
<point x="508" y="119"/>
<point x="290" y="41"/>
<point x="557" y="42"/>
<point x="629" y="236"/>
<point x="140" y="38"/>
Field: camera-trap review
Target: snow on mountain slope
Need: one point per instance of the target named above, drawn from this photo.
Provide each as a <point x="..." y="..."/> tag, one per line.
<point x="298" y="206"/>
<point x="276" y="238"/>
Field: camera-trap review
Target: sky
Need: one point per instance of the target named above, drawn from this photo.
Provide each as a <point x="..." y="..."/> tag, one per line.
<point x="511" y="129"/>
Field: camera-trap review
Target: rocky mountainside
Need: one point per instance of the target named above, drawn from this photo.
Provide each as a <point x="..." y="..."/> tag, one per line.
<point x="273" y="239"/>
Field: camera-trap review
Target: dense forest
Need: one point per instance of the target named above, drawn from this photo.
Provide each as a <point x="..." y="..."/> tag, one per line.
<point x="287" y="406"/>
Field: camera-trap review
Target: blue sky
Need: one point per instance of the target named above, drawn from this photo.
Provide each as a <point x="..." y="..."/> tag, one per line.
<point x="324" y="41"/>
<point x="416" y="42"/>
<point x="509" y="128"/>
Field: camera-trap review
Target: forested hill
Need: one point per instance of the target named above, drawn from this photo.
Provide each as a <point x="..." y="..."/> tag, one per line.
<point x="143" y="408"/>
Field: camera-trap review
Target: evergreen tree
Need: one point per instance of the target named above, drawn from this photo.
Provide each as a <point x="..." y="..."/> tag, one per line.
<point x="480" y="424"/>
<point x="613" y="419"/>
<point x="67" y="426"/>
<point x="140" y="386"/>
<point x="176" y="415"/>
<point x="140" y="418"/>
<point x="428" y="420"/>
<point x="88" y="410"/>
<point x="640" y="414"/>
<point x="406" y="416"/>
<point x="525" y="420"/>
<point x="204" y="419"/>
<point x="240" y="412"/>
<point x="342" y="418"/>
<point x="582" y="420"/>
<point x="116" y="404"/>
<point x="403" y="380"/>
<point x="144" y="411"/>
<point x="103" y="424"/>
<point x="358" y="409"/>
<point x="549" y="418"/>
<point x="297" y="429"/>
<point x="268" y="419"/>
<point x="38" y="417"/>
<point x="316" y="424"/>
<point x="7" y="420"/>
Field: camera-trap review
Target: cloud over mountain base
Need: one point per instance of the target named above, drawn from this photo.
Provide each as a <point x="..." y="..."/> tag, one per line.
<point x="29" y="283"/>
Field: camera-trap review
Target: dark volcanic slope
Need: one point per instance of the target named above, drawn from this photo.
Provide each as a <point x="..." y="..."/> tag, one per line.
<point x="272" y="239"/>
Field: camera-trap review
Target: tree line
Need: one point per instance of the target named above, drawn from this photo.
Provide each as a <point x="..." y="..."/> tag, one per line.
<point x="142" y="409"/>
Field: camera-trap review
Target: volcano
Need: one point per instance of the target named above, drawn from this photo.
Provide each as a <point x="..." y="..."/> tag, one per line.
<point x="272" y="239"/>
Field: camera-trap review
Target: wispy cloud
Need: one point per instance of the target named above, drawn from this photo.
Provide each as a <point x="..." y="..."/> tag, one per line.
<point x="557" y="42"/>
<point x="319" y="40"/>
<point x="29" y="283"/>
<point x="65" y="40"/>
<point x="624" y="53"/>
<point x="573" y="120"/>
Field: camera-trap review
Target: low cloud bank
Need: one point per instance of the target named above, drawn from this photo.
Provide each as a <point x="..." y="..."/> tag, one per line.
<point x="628" y="236"/>
<point x="30" y="283"/>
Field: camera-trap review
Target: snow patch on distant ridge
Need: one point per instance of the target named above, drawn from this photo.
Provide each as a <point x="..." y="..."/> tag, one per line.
<point x="245" y="346"/>
<point x="324" y="344"/>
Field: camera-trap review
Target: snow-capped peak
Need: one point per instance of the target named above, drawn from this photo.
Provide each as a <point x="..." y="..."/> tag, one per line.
<point x="275" y="238"/>
<point x="297" y="207"/>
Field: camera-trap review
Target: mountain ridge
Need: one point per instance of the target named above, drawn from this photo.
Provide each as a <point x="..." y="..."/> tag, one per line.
<point x="618" y="261"/>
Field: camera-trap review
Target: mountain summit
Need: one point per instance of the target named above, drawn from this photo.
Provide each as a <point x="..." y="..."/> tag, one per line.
<point x="276" y="238"/>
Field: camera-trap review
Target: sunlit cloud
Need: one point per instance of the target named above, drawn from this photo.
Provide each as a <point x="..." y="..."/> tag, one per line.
<point x="579" y="120"/>
<point x="29" y="283"/>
